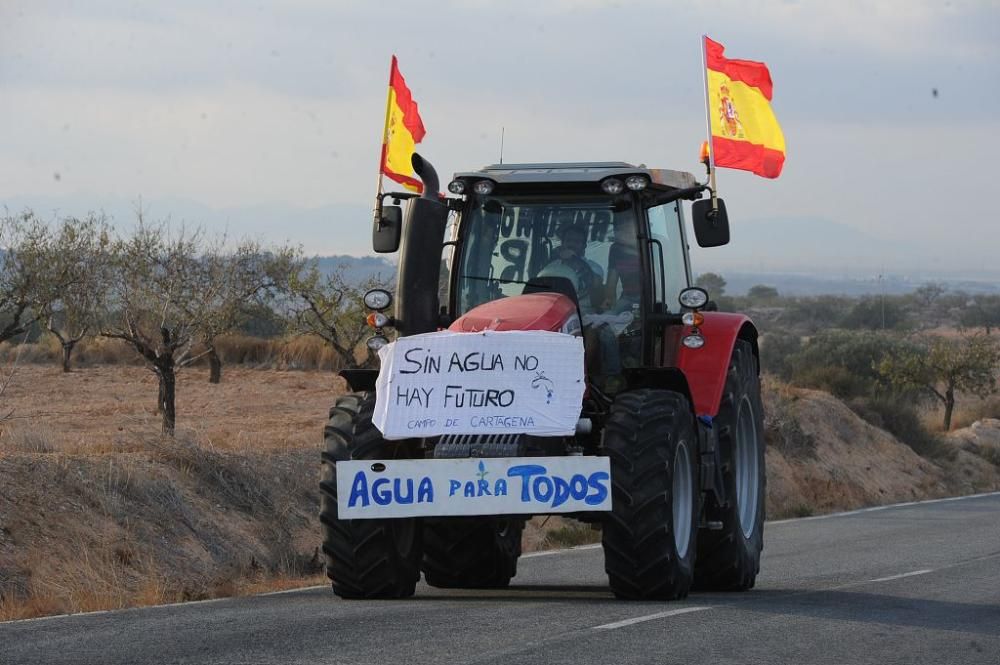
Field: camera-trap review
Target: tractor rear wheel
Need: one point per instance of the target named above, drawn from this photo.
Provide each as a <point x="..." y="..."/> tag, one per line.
<point x="729" y="559"/>
<point x="649" y="537"/>
<point x="478" y="553"/>
<point x="365" y="558"/>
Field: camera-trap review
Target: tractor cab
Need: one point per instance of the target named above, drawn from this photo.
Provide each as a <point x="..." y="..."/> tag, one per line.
<point x="607" y="235"/>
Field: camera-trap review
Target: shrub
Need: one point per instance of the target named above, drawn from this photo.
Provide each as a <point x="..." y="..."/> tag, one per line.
<point x="776" y="351"/>
<point x="898" y="416"/>
<point x="843" y="362"/>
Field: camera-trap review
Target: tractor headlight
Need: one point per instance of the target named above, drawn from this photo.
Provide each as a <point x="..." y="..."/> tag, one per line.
<point x="636" y="182"/>
<point x="483" y="187"/>
<point x="376" y="342"/>
<point x="612" y="186"/>
<point x="378" y="299"/>
<point x="456" y="187"/>
<point x="693" y="297"/>
<point x="693" y="341"/>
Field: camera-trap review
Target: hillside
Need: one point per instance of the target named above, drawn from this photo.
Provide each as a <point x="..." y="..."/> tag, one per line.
<point x="97" y="510"/>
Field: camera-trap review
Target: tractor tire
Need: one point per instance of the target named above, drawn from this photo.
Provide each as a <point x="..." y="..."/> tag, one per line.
<point x="365" y="558"/>
<point x="478" y="553"/>
<point x="729" y="558"/>
<point x="650" y="535"/>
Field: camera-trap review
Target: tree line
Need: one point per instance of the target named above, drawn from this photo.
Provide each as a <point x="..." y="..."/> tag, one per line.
<point x="169" y="293"/>
<point x="885" y="355"/>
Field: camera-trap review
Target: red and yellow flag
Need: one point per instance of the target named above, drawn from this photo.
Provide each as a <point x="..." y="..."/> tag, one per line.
<point x="403" y="131"/>
<point x="745" y="133"/>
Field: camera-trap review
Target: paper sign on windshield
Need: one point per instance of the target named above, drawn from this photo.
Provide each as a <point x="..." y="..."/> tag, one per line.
<point x="514" y="382"/>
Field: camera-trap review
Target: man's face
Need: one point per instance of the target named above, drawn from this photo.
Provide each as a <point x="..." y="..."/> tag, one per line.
<point x="573" y="243"/>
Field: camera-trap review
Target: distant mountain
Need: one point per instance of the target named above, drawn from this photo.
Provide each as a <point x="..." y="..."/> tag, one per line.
<point x="798" y="284"/>
<point x="358" y="268"/>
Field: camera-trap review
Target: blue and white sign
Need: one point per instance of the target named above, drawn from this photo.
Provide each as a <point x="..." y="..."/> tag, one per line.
<point x="369" y="489"/>
<point x="510" y="382"/>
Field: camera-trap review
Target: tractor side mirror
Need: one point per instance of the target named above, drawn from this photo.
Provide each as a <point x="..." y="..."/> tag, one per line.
<point x="711" y="227"/>
<point x="387" y="230"/>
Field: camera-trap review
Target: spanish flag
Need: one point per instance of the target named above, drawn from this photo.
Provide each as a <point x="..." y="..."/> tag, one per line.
<point x="403" y="131"/>
<point x="745" y="133"/>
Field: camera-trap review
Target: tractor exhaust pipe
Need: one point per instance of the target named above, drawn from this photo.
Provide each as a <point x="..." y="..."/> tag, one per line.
<point x="428" y="175"/>
<point x="420" y="258"/>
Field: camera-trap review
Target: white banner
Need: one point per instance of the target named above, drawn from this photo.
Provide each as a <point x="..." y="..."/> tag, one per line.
<point x="369" y="489"/>
<point x="491" y="382"/>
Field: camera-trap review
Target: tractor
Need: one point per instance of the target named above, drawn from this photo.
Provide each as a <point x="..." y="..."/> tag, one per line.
<point x="597" y="251"/>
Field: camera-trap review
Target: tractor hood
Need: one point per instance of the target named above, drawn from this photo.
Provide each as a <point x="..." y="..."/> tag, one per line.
<point x="534" y="311"/>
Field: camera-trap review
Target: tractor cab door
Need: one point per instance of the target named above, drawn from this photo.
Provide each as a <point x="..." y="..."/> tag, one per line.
<point x="669" y="272"/>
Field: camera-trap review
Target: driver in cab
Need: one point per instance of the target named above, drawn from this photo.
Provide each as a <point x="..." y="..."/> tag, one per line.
<point x="586" y="275"/>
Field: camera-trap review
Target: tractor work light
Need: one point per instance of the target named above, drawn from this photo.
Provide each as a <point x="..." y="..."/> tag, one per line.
<point x="376" y="342"/>
<point x="612" y="186"/>
<point x="637" y="182"/>
<point x="377" y="320"/>
<point x="456" y="187"/>
<point x="483" y="187"/>
<point x="692" y="341"/>
<point x="693" y="297"/>
<point x="378" y="299"/>
<point x="693" y="319"/>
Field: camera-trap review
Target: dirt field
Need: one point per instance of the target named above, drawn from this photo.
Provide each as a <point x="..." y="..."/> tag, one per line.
<point x="102" y="408"/>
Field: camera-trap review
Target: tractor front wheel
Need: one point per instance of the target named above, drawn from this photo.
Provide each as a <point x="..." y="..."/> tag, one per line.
<point x="365" y="558"/>
<point x="649" y="536"/>
<point x="729" y="558"/>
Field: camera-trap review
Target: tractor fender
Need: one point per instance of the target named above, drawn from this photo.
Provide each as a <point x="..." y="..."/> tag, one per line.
<point x="706" y="368"/>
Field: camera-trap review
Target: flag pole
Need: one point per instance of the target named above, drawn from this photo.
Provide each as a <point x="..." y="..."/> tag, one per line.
<point x="708" y="125"/>
<point x="377" y="213"/>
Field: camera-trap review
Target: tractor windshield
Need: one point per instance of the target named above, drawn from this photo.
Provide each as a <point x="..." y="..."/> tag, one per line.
<point x="510" y="243"/>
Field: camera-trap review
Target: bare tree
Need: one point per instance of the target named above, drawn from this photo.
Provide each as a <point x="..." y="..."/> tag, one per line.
<point x="162" y="294"/>
<point x="331" y="307"/>
<point x="941" y="367"/>
<point x="80" y="252"/>
<point x="245" y="277"/>
<point x="27" y="280"/>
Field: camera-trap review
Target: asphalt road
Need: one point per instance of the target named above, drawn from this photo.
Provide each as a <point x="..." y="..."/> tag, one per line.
<point x="910" y="584"/>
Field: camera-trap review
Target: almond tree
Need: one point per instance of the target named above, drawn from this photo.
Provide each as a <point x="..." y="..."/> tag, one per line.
<point x="80" y="251"/>
<point x="331" y="307"/>
<point x="246" y="276"/>
<point x="27" y="280"/>
<point x="161" y="296"/>
<point x="942" y="367"/>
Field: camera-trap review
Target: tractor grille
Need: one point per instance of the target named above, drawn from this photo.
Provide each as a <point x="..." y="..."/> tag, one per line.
<point x="480" y="445"/>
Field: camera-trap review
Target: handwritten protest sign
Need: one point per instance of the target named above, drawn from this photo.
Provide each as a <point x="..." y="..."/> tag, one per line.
<point x="491" y="382"/>
<point x="372" y="489"/>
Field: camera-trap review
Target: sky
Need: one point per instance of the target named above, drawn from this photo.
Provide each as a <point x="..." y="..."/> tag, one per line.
<point x="265" y="118"/>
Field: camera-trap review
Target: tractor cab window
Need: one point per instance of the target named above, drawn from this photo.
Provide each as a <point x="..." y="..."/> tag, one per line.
<point x="667" y="255"/>
<point x="510" y="245"/>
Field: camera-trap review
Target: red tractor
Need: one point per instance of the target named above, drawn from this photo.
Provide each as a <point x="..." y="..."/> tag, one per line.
<point x="671" y="404"/>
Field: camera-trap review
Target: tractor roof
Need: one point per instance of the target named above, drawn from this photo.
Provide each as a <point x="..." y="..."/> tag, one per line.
<point x="572" y="172"/>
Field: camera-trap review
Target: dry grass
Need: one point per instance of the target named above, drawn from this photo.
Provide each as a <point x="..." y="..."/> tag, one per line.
<point x="98" y="510"/>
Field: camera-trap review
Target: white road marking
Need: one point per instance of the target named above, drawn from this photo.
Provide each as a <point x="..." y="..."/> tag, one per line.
<point x="531" y="555"/>
<point x="873" y="509"/>
<point x="649" y="617"/>
<point x="902" y="575"/>
<point x="888" y="578"/>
